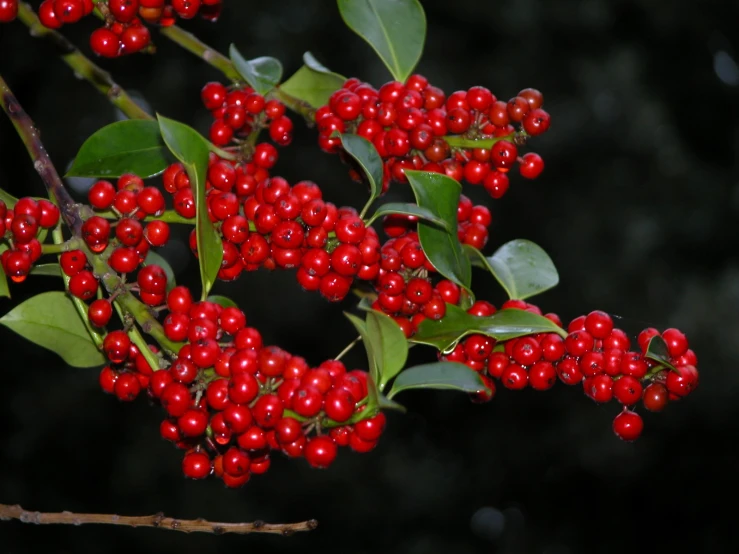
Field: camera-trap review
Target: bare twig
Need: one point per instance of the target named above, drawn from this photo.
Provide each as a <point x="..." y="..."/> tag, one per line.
<point x="159" y="521"/>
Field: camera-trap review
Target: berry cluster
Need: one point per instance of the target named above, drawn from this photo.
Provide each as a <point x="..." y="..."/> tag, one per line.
<point x="240" y="111"/>
<point x="230" y="400"/>
<point x="416" y="126"/>
<point x="594" y="354"/>
<point x="20" y="228"/>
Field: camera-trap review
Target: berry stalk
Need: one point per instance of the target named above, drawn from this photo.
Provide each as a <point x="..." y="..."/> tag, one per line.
<point x="82" y="66"/>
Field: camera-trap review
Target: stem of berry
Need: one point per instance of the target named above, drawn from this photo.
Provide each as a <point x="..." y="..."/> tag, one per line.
<point x="82" y="66"/>
<point x="168" y="216"/>
<point x="349" y="346"/>
<point x="59" y="247"/>
<point x="192" y="44"/>
<point x="79" y="305"/>
<point x="158" y="521"/>
<point x="135" y="335"/>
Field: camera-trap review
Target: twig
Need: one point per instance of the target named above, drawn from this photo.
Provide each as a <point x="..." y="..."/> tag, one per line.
<point x="159" y="521"/>
<point x="194" y="45"/>
<point x="83" y="67"/>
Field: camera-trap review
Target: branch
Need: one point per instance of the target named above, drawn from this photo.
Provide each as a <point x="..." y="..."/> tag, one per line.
<point x="194" y="45"/>
<point x="41" y="161"/>
<point x="82" y="66"/>
<point x="159" y="521"/>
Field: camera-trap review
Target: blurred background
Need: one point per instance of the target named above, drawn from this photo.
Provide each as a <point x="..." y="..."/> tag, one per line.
<point x="637" y="206"/>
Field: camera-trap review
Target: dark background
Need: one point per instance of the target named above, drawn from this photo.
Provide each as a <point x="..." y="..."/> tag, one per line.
<point x="637" y="207"/>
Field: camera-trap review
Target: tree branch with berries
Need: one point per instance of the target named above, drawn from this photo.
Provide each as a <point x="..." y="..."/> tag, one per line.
<point x="229" y="401"/>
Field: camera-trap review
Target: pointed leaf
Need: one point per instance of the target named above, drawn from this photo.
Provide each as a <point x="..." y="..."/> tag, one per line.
<point x="389" y="346"/>
<point x="129" y="146"/>
<point x="50" y="320"/>
<point x="222" y="301"/>
<point x="8" y="198"/>
<point x="191" y="149"/>
<point x="47" y="270"/>
<point x="503" y="325"/>
<point x="440" y="195"/>
<point x="311" y="62"/>
<point x="405" y="208"/>
<point x="396" y="30"/>
<point x="657" y="350"/>
<point x="361" y="328"/>
<point x="365" y="153"/>
<point x="521" y="267"/>
<point x="262" y="73"/>
<point x="312" y="86"/>
<point x="152" y="258"/>
<point x="438" y="375"/>
<point x="384" y="403"/>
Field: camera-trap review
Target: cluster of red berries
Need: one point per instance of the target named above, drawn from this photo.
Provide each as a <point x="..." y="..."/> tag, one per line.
<point x="240" y="111"/>
<point x="231" y="400"/>
<point x="594" y="353"/>
<point x="416" y="126"/>
<point x="20" y="228"/>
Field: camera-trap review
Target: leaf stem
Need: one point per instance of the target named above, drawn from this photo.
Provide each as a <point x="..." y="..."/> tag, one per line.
<point x="135" y="335"/>
<point x="349" y="346"/>
<point x="158" y="521"/>
<point x="82" y="66"/>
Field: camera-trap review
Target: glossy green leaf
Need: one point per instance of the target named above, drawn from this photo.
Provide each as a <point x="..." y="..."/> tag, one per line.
<point x="4" y="289"/>
<point x="261" y="73"/>
<point x="361" y="328"/>
<point x="366" y="155"/>
<point x="388" y="344"/>
<point x="438" y="375"/>
<point x="657" y="350"/>
<point x="191" y="149"/>
<point x="440" y="195"/>
<point x="396" y="30"/>
<point x="404" y="208"/>
<point x="222" y="301"/>
<point x="503" y="325"/>
<point x="312" y="86"/>
<point x="384" y="403"/>
<point x="8" y="198"/>
<point x="50" y="320"/>
<point x="521" y="267"/>
<point x="129" y="146"/>
<point x="152" y="258"/>
<point x="312" y="63"/>
<point x="47" y="270"/>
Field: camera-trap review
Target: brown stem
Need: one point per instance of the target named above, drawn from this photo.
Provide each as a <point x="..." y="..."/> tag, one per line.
<point x="82" y="66"/>
<point x="41" y="161"/>
<point x="159" y="521"/>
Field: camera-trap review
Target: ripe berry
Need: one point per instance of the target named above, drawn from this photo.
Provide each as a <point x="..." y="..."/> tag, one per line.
<point x="105" y="42"/>
<point x="127" y="387"/>
<point x="100" y="312"/>
<point x="116" y="346"/>
<point x="655" y="397"/>
<point x="628" y="425"/>
<point x="8" y="10"/>
<point x="531" y="165"/>
<point x="196" y="465"/>
<point x="370" y="429"/>
<point x="627" y="390"/>
<point x="83" y="285"/>
<point x="320" y="451"/>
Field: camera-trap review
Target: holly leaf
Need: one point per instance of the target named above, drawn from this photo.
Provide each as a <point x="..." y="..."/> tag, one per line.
<point x="395" y="29"/>
<point x="129" y="146"/>
<point x="50" y="320"/>
<point x="47" y="270"/>
<point x="404" y="208"/>
<point x="152" y="258"/>
<point x="4" y="289"/>
<point x="521" y="267"/>
<point x="502" y="325"/>
<point x="388" y="344"/>
<point x="366" y="155"/>
<point x="438" y="375"/>
<point x="190" y="148"/>
<point x="222" y="301"/>
<point x="439" y="194"/>
<point x="657" y="350"/>
<point x="361" y="328"/>
<point x="8" y="198"/>
<point x="313" y="83"/>
<point x="261" y="73"/>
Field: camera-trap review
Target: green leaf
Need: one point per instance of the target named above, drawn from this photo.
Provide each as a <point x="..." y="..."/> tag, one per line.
<point x="191" y="149"/>
<point x="657" y="350"/>
<point x="438" y="375"/>
<point x="395" y="29"/>
<point x="50" y="320"/>
<point x="503" y="325"/>
<point x="440" y="195"/>
<point x="521" y="267"/>
<point x="8" y="198"/>
<point x="361" y="328"/>
<point x="47" y="270"/>
<point x="222" y="301"/>
<point x="405" y="208"/>
<point x="312" y="86"/>
<point x="152" y="258"/>
<point x="384" y="403"/>
<point x="388" y="344"/>
<point x="312" y="63"/>
<point x="366" y="155"/>
<point x="262" y="73"/>
<point x="129" y="146"/>
<point x="4" y="289"/>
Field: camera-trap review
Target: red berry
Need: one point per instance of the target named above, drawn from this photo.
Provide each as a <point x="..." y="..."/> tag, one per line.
<point x="628" y="425"/>
<point x="100" y="312"/>
<point x="105" y="42"/>
<point x="8" y="10"/>
<point x="531" y="165"/>
<point x="627" y="390"/>
<point x="196" y="465"/>
<point x="655" y="397"/>
<point x="320" y="452"/>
